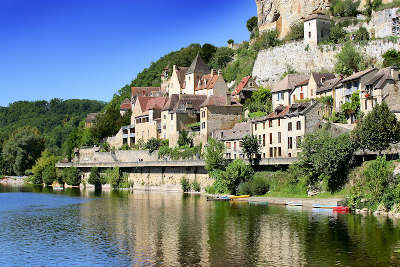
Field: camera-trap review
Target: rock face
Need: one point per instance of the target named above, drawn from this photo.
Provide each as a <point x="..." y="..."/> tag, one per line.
<point x="272" y="63"/>
<point x="281" y="14"/>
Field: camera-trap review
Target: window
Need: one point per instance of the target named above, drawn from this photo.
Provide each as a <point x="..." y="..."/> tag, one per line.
<point x="165" y="117"/>
<point x="264" y="155"/>
<point x="279" y="138"/>
<point x="298" y="125"/>
<point x="240" y="144"/>
<point x="255" y="127"/>
<point x="263" y="139"/>
<point x="264" y="126"/>
<point x="290" y="142"/>
<point x="270" y="138"/>
<point x="172" y="117"/>
<point x="289" y="126"/>
<point x="366" y="104"/>
<point x="279" y="152"/>
<point x="228" y="145"/>
<point x="322" y="34"/>
<point x="270" y="123"/>
<point x="203" y="125"/>
<point x="203" y="114"/>
<point x="309" y="34"/>
<point x="271" y="152"/>
<point x="279" y="122"/>
<point x="228" y="155"/>
<point x="234" y="146"/>
<point x="259" y="139"/>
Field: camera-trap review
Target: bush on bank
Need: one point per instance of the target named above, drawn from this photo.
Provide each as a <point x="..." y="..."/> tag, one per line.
<point x="71" y="176"/>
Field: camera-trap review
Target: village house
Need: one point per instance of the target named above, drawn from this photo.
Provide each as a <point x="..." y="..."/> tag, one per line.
<point x="144" y="91"/>
<point x="179" y="112"/>
<point x="328" y="87"/>
<point x="281" y="92"/>
<point x="279" y="134"/>
<point x="174" y="83"/>
<point x="91" y="119"/>
<point x="382" y="87"/>
<point x="194" y="74"/>
<point x="307" y="89"/>
<point x="125" y="106"/>
<point x="218" y="113"/>
<point x="211" y="84"/>
<point x="316" y="28"/>
<point x="232" y="139"/>
<point x="146" y="117"/>
<point x="244" y="89"/>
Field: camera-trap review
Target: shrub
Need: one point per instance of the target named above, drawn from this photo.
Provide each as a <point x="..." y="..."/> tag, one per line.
<point x="153" y="144"/>
<point x="252" y="24"/>
<point x="337" y="33"/>
<point x="185" y="184"/>
<point x="105" y="147"/>
<point x="94" y="177"/>
<point x="266" y="40"/>
<point x="259" y="186"/>
<point x="71" y="176"/>
<point x="125" y="147"/>
<point x="296" y="31"/>
<point x="196" y="187"/>
<point x="114" y="177"/>
<point x="47" y="162"/>
<point x="391" y="58"/>
<point x="349" y="60"/>
<point x="236" y="173"/>
<point x="361" y="34"/>
<point x="230" y="41"/>
<point x="184" y="139"/>
<point x="245" y="188"/>
<point x="49" y="174"/>
<point x="214" y="155"/>
<point x="344" y="8"/>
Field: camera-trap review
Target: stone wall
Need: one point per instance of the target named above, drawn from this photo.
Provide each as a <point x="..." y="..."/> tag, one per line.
<point x="272" y="63"/>
<point x="92" y="155"/>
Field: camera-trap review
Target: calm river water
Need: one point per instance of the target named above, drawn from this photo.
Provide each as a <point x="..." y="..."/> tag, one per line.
<point x="39" y="227"/>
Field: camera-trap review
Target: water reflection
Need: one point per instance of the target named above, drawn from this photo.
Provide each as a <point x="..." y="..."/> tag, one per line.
<point x="118" y="229"/>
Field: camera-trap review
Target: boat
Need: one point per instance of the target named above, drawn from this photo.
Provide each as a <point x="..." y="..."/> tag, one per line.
<point x="218" y="198"/>
<point x="238" y="197"/>
<point x="341" y="209"/>
<point x="58" y="188"/>
<point x="321" y="206"/>
<point x="292" y="203"/>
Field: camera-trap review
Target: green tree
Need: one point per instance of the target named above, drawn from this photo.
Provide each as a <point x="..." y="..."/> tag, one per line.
<point x="94" y="177"/>
<point x="184" y="139"/>
<point x="214" y="155"/>
<point x="250" y="147"/>
<point x="391" y="58"/>
<point x="344" y="8"/>
<point x="352" y="107"/>
<point x="153" y="144"/>
<point x="260" y="101"/>
<point x="377" y="130"/>
<point x="266" y="40"/>
<point x="252" y="24"/>
<point x="47" y="162"/>
<point x="361" y="34"/>
<point x="236" y="173"/>
<point x="22" y="149"/>
<point x="49" y="175"/>
<point x="296" y="31"/>
<point x="222" y="57"/>
<point x="71" y="176"/>
<point x="349" y="60"/>
<point x="337" y="34"/>
<point x="326" y="159"/>
<point x="230" y="41"/>
<point x="207" y="52"/>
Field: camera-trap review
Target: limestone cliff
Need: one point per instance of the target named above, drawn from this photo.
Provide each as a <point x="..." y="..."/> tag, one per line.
<point x="281" y="14"/>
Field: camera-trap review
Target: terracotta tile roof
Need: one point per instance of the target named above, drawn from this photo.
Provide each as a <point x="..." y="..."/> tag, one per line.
<point x="241" y="85"/>
<point x="238" y="132"/>
<point x="214" y="101"/>
<point x="358" y="75"/>
<point x="207" y="82"/>
<point x="302" y="83"/>
<point x="126" y="104"/>
<point x="198" y="66"/>
<point x="149" y="103"/>
<point x="180" y="103"/>
<point x="329" y="85"/>
<point x="289" y="82"/>
<point x="144" y="91"/>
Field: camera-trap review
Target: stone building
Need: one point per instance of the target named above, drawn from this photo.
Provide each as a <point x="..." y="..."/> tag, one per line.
<point x="281" y="92"/>
<point x="144" y="91"/>
<point x="125" y="106"/>
<point x="179" y="112"/>
<point x="174" y="83"/>
<point x="91" y="119"/>
<point x="279" y="134"/>
<point x="146" y="117"/>
<point x="233" y="139"/>
<point x="217" y="113"/>
<point x="281" y="14"/>
<point x="193" y="75"/>
<point x="382" y="87"/>
<point x="211" y="84"/>
<point x="316" y="28"/>
<point x="328" y="87"/>
<point x="384" y="23"/>
<point x="244" y="89"/>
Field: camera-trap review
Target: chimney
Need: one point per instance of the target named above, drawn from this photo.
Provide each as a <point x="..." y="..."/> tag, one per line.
<point x="228" y="98"/>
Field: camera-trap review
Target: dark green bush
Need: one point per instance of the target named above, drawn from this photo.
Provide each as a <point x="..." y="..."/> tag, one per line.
<point x="49" y="174"/>
<point x="196" y="187"/>
<point x="245" y="188"/>
<point x="94" y="177"/>
<point x="259" y="186"/>
<point x="185" y="184"/>
<point x="71" y="176"/>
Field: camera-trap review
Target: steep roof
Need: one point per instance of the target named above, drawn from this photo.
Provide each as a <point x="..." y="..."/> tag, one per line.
<point x="181" y="72"/>
<point x="238" y="132"/>
<point x="144" y="91"/>
<point x="179" y="103"/>
<point x="241" y="85"/>
<point x="126" y="104"/>
<point x="214" y="101"/>
<point x="358" y="75"/>
<point x="207" y="81"/>
<point x="151" y="103"/>
<point x="279" y="112"/>
<point x="329" y="85"/>
<point x="321" y="77"/>
<point x="198" y="66"/>
<point x="380" y="78"/>
<point x="289" y="82"/>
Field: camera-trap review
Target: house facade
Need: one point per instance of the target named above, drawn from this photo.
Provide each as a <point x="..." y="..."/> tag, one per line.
<point x="194" y="73"/>
<point x="212" y="84"/>
<point x="173" y="83"/>
<point x="244" y="89"/>
<point x="281" y="92"/>
<point x="316" y="28"/>
<point x="233" y="138"/>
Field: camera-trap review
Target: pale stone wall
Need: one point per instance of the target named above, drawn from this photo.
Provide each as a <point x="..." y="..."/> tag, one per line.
<point x="115" y="141"/>
<point x="272" y="63"/>
<point x="91" y="155"/>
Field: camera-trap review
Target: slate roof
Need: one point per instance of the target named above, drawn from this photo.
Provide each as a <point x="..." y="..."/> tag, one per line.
<point x="179" y="103"/>
<point x="289" y="82"/>
<point x="358" y="75"/>
<point x="317" y="16"/>
<point x="329" y="85"/>
<point x="320" y="77"/>
<point x="151" y="103"/>
<point x="214" y="101"/>
<point x="181" y="72"/>
<point x="379" y="79"/>
<point x="198" y="66"/>
<point x="238" y="132"/>
<point x="144" y="91"/>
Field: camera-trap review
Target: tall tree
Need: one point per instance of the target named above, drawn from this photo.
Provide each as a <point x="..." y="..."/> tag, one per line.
<point x="214" y="155"/>
<point x="250" y="147"/>
<point x="22" y="149"/>
<point x="252" y="23"/>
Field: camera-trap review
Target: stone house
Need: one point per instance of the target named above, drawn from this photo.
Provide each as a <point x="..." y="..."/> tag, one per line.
<point x="382" y="87"/>
<point x="233" y="139"/>
<point x="281" y="92"/>
<point x="91" y="119"/>
<point x="144" y="91"/>
<point x="218" y="113"/>
<point x="178" y="112"/>
<point x="174" y="83"/>
<point x="125" y="106"/>
<point x="245" y="89"/>
<point x="316" y="28"/>
<point x="279" y="134"/>
<point x="193" y="75"/>
<point x="352" y="84"/>
<point x="146" y="117"/>
<point x="300" y="92"/>
<point x="328" y="87"/>
<point x="211" y="84"/>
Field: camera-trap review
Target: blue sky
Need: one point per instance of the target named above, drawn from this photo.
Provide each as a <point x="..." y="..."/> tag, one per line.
<point x="91" y="48"/>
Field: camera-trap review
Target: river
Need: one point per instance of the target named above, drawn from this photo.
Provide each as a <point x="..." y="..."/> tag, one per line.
<point x="39" y="227"/>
